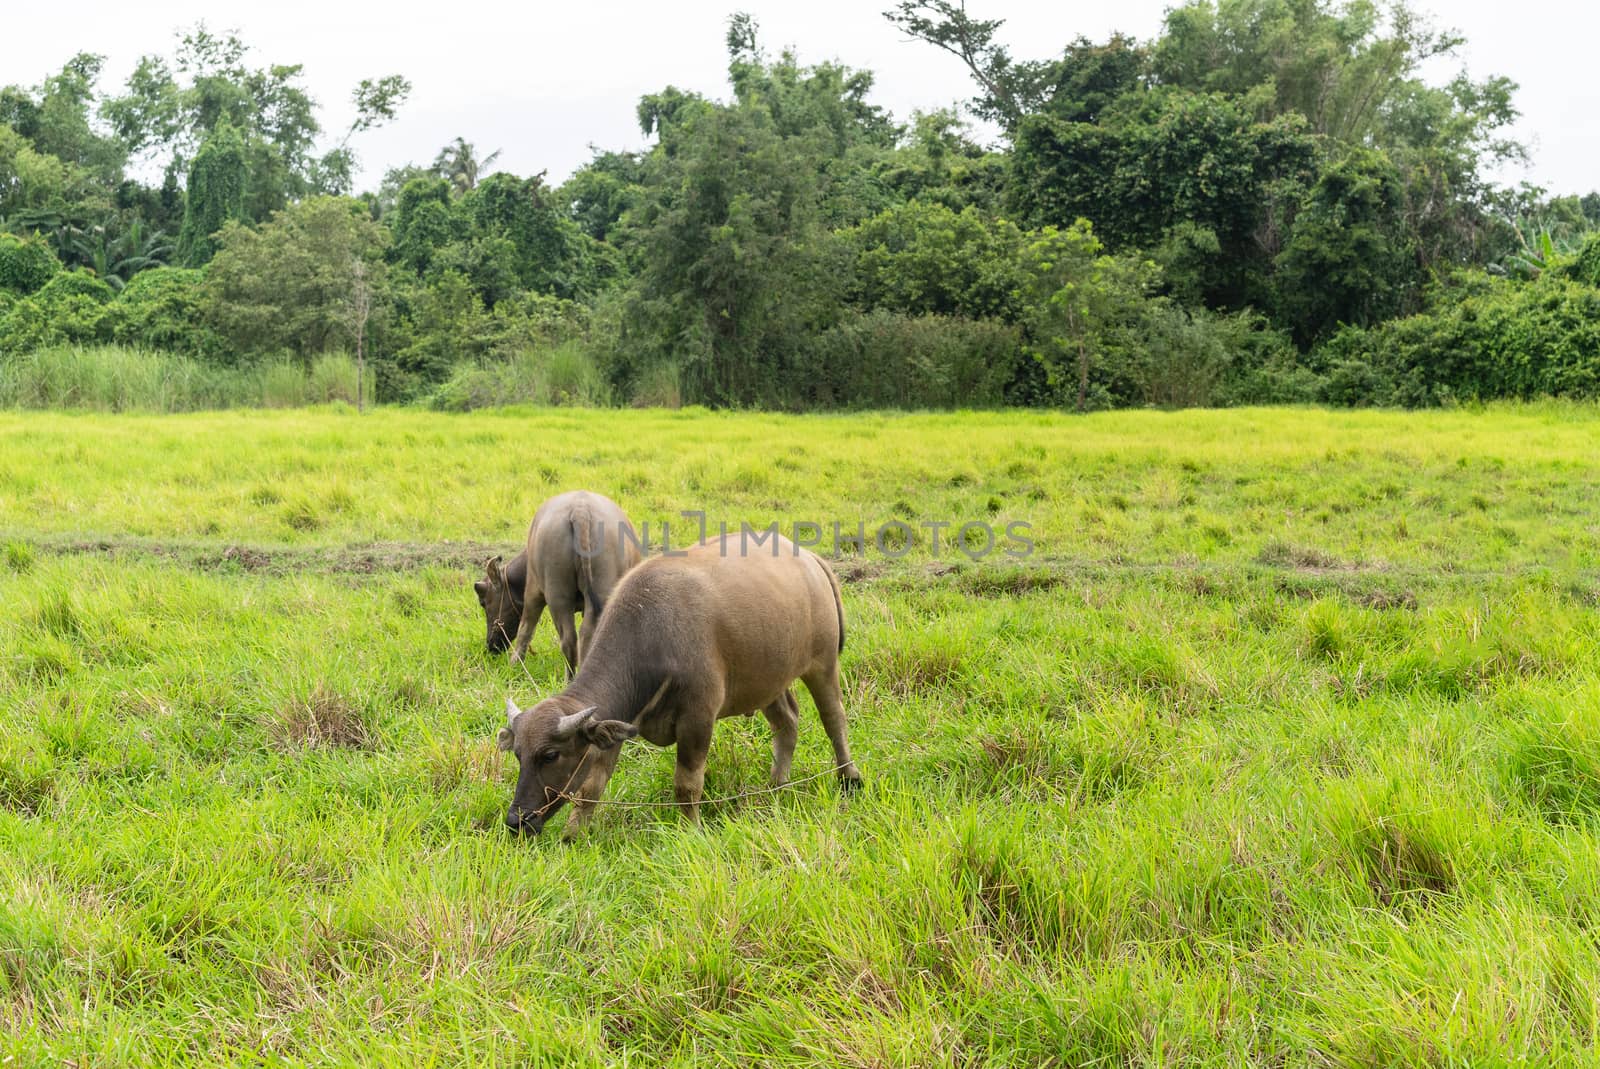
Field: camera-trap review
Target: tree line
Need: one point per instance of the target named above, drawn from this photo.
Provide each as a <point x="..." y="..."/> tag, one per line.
<point x="1266" y="203"/>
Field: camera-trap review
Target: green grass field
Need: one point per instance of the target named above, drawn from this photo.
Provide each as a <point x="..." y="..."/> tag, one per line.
<point x="1283" y="748"/>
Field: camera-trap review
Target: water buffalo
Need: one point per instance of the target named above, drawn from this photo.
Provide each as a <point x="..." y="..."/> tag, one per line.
<point x="720" y="630"/>
<point x="580" y="544"/>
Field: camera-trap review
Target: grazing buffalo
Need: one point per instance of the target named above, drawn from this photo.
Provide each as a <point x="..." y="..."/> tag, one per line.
<point x="720" y="630"/>
<point x="579" y="546"/>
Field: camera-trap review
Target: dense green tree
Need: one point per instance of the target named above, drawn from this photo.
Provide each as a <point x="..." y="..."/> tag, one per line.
<point x="826" y="99"/>
<point x="661" y="113"/>
<point x="1179" y="160"/>
<point x="55" y="118"/>
<point x="601" y="192"/>
<point x="1348" y="260"/>
<point x="937" y="162"/>
<point x="922" y="258"/>
<point x="174" y="107"/>
<point x="1080" y="298"/>
<point x="1341" y="65"/>
<point x="218" y="185"/>
<point x="505" y="235"/>
<point x="731" y="269"/>
<point x="552" y="254"/>
<point x="285" y="286"/>
<point x="1090" y="80"/>
<point x="45" y="195"/>
<point x="422" y="222"/>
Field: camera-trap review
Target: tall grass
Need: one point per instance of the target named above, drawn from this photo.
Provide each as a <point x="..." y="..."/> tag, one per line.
<point x="563" y="375"/>
<point x="114" y="378"/>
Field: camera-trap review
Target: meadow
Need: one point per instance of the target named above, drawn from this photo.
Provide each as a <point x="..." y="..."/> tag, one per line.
<point x="1281" y="748"/>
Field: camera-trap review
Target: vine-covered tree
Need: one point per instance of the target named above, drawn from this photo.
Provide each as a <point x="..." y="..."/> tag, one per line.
<point x="218" y="180"/>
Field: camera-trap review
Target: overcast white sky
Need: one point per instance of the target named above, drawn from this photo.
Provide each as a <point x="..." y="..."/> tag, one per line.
<point x="543" y="81"/>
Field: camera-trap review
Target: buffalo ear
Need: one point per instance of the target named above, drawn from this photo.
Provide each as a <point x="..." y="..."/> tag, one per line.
<point x="607" y="733"/>
<point x="492" y="570"/>
<point x="503" y="740"/>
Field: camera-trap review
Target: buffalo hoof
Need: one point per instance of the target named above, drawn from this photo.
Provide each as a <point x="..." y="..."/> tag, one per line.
<point x="850" y="784"/>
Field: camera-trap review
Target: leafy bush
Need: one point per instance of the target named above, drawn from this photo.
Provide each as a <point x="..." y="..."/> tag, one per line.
<point x="163" y="308"/>
<point x="1585" y="267"/>
<point x="1182" y="358"/>
<point x="1486" y="339"/>
<point x="26" y="264"/>
<point x="24" y="327"/>
<point x="445" y="330"/>
<point x="75" y="304"/>
<point x="884" y="359"/>
<point x="921" y="258"/>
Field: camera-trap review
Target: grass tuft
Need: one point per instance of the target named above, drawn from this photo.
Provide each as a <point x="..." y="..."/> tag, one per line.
<point x="324" y="718"/>
<point x="1554" y="756"/>
<point x="18" y="557"/>
<point x="1278" y="554"/>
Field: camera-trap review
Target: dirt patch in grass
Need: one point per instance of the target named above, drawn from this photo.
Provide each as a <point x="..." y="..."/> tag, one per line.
<point x="360" y="559"/>
<point x="323" y="718"/>
<point x="1286" y="555"/>
<point x="1296" y="571"/>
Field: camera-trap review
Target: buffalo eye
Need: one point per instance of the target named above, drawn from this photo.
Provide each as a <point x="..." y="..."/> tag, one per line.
<point x="547" y="756"/>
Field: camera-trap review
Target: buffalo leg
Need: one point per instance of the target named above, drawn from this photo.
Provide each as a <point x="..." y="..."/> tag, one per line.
<point x="783" y="716"/>
<point x="532" y="608"/>
<point x="824" y="688"/>
<point x="568" y="631"/>
<point x="591" y="620"/>
<point x="689" y="777"/>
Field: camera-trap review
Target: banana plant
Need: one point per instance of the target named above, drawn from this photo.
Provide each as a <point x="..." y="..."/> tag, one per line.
<point x="1542" y="248"/>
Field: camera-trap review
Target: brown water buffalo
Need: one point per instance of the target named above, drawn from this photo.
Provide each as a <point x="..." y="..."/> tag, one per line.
<point x="579" y="545"/>
<point x="720" y="630"/>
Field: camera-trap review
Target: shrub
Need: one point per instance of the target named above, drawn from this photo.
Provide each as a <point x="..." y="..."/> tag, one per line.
<point x="70" y="307"/>
<point x="1490" y="338"/>
<point x="1180" y="358"/>
<point x="163" y="308"/>
<point x="884" y="359"/>
<point x="75" y="305"/>
<point x="26" y="264"/>
<point x="24" y="327"/>
<point x="1585" y="268"/>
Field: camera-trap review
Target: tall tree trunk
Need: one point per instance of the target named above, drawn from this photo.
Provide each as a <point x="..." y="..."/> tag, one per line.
<point x="1083" y="373"/>
<point x="361" y="367"/>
